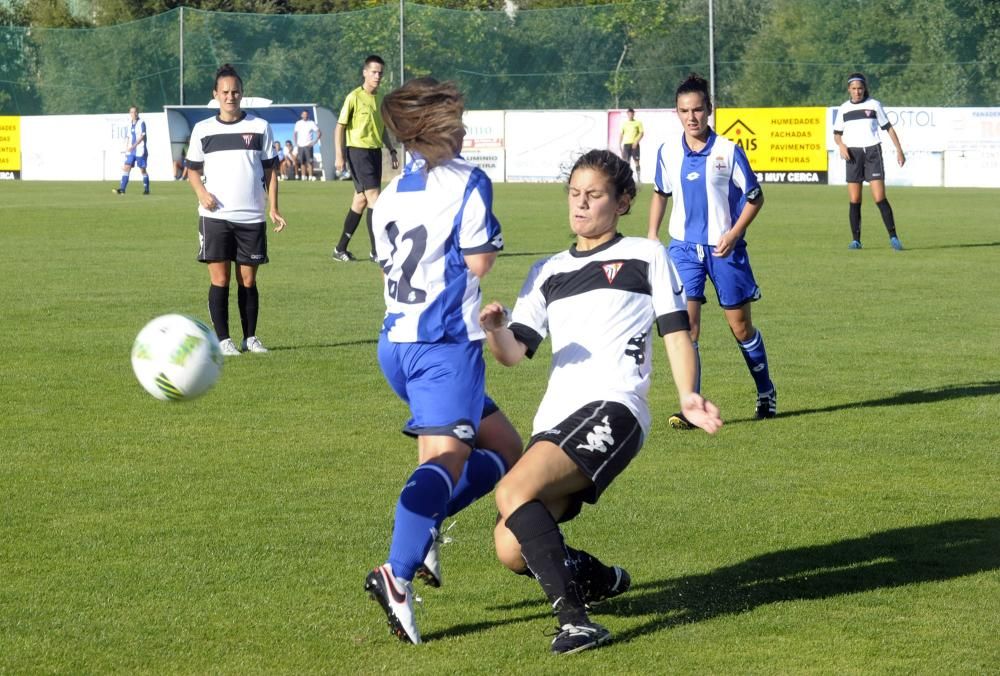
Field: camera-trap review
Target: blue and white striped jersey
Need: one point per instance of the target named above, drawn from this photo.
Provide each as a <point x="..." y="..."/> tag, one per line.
<point x="709" y="187"/>
<point x="137" y="130"/>
<point x="425" y="222"/>
<point x="859" y="123"/>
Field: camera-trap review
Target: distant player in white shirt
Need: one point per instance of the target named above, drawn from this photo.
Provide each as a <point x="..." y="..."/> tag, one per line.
<point x="716" y="197"/>
<point x="855" y="129"/>
<point x="600" y="302"/>
<point x="307" y="134"/>
<point x="435" y="237"/>
<point x="234" y="152"/>
<point x="136" y="152"/>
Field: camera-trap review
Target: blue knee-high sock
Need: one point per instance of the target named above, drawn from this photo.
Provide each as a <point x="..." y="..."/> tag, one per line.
<point x="697" y="366"/>
<point x="124" y="182"/>
<point x="483" y="470"/>
<point x="756" y="358"/>
<point x="422" y="503"/>
<point x="145" y="182"/>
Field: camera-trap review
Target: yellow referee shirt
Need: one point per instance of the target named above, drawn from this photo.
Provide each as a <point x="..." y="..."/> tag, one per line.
<point x="362" y="123"/>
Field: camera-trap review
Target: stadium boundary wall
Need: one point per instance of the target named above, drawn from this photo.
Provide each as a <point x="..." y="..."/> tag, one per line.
<point x="951" y="147"/>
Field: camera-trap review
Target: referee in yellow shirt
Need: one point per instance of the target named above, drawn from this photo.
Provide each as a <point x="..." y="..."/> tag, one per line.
<point x="631" y="134"/>
<point x="361" y="124"/>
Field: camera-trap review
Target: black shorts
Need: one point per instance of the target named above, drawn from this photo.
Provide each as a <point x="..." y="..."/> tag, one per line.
<point x="602" y="438"/>
<point x="631" y="152"/>
<point x="245" y="243"/>
<point x="865" y="164"/>
<point x="366" y="167"/>
<point x="305" y="155"/>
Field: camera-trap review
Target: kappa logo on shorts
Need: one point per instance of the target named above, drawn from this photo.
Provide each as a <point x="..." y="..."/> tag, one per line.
<point x="599" y="438"/>
<point x="611" y="271"/>
<point x="464" y="431"/>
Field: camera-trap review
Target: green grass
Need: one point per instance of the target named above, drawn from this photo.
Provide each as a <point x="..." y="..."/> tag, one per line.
<point x="859" y="532"/>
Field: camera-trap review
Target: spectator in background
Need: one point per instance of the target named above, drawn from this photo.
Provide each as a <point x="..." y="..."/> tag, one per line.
<point x="180" y="167"/>
<point x="135" y="152"/>
<point x="359" y="140"/>
<point x="306" y="133"/>
<point x="632" y="132"/>
<point x="289" y="166"/>
<point x="856" y="132"/>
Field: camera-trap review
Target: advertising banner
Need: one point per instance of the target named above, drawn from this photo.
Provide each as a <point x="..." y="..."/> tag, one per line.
<point x="543" y="145"/>
<point x="784" y="145"/>
<point x="484" y="142"/>
<point x="10" y="148"/>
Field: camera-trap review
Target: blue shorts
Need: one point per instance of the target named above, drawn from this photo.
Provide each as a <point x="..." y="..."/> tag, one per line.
<point x="443" y="383"/>
<point x="731" y="275"/>
<point x="140" y="161"/>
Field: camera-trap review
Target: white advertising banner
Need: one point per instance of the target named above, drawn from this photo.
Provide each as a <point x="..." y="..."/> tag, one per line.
<point x="484" y="142"/>
<point x="658" y="125"/>
<point x="543" y="145"/>
<point x="89" y="147"/>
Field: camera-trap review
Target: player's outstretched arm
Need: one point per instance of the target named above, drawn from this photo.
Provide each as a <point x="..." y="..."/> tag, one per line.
<point x="698" y="410"/>
<point x="506" y="349"/>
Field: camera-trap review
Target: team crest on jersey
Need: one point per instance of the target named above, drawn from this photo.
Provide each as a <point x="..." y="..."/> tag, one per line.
<point x="611" y="270"/>
<point x="248" y="139"/>
<point x="720" y="163"/>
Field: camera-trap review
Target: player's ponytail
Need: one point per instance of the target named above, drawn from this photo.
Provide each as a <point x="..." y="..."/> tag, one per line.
<point x="426" y="116"/>
<point x="226" y="70"/>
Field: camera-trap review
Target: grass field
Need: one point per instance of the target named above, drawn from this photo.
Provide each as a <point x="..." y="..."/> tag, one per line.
<point x="858" y="532"/>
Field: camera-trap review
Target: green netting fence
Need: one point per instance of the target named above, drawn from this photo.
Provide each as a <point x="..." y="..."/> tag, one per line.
<point x="594" y="57"/>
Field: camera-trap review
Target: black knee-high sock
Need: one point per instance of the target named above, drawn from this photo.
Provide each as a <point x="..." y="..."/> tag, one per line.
<point x="856" y="221"/>
<point x="371" y="233"/>
<point x="350" y="225"/>
<point x="249" y="302"/>
<point x="218" y="309"/>
<point x="589" y="572"/>
<point x="545" y="553"/>
<point x="887" y="217"/>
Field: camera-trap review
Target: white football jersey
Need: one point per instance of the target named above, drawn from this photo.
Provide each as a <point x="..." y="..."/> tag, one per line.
<point x="425" y="222"/>
<point x="600" y="308"/>
<point x="232" y="157"/>
<point x="710" y="187"/>
<point x="860" y="122"/>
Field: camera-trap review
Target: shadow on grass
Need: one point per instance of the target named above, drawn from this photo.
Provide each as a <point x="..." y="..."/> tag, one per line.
<point x="891" y="559"/>
<point x="886" y="560"/>
<point x="953" y="246"/>
<point x="314" y="346"/>
<point x="926" y="396"/>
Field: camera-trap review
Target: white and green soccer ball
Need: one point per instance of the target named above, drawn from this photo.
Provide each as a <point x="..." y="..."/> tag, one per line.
<point x="176" y="357"/>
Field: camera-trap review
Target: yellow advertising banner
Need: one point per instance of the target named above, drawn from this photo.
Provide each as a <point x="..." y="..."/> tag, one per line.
<point x="10" y="147"/>
<point x="784" y="145"/>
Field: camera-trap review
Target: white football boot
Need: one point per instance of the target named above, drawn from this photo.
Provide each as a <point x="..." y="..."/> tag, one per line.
<point x="396" y="598"/>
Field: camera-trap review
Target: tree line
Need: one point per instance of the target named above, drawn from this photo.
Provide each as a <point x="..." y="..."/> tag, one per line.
<point x="63" y="56"/>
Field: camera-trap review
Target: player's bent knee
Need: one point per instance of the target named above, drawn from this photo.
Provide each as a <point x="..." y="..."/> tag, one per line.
<point x="508" y="549"/>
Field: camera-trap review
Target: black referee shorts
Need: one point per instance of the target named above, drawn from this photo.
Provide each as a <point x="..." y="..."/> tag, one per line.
<point x="366" y="167"/>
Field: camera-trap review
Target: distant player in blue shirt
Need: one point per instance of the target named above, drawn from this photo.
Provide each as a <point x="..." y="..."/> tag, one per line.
<point x="716" y="197"/>
<point x="435" y="238"/>
<point x="135" y="152"/>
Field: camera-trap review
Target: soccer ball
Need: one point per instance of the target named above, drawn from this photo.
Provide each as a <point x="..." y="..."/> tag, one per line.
<point x="176" y="357"/>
